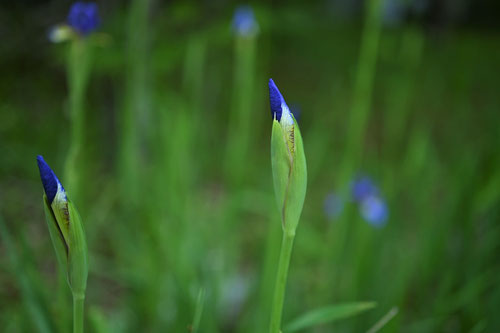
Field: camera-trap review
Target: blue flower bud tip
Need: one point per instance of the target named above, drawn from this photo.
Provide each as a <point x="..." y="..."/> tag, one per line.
<point x="276" y="101"/>
<point x="84" y="17"/>
<point x="50" y="181"/>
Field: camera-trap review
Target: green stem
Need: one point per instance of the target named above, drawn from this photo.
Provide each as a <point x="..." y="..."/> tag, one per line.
<point x="137" y="104"/>
<point x="78" y="74"/>
<point x="240" y="120"/>
<point x="281" y="277"/>
<point x="78" y="305"/>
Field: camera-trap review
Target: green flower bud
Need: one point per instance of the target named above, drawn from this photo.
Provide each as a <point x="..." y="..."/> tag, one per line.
<point x="288" y="161"/>
<point x="66" y="230"/>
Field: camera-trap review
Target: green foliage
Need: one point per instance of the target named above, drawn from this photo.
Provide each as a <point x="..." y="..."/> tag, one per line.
<point x="427" y="134"/>
<point x="200" y="300"/>
<point x="328" y="314"/>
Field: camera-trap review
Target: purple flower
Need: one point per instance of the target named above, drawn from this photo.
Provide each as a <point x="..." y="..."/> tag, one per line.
<point x="50" y="182"/>
<point x="362" y="188"/>
<point x="333" y="205"/>
<point x="276" y="101"/>
<point x="244" y="23"/>
<point x="83" y="17"/>
<point x="374" y="210"/>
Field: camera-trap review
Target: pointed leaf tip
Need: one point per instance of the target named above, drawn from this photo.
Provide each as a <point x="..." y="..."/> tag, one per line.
<point x="275" y="100"/>
<point x="48" y="177"/>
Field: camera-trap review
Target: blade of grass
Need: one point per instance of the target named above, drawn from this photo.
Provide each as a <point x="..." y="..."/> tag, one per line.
<point x="384" y="320"/>
<point x="328" y="314"/>
<point x="198" y="310"/>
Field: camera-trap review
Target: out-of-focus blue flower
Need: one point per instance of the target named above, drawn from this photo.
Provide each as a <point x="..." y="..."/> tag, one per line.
<point x="277" y="102"/>
<point x="374" y="210"/>
<point x="83" y="17"/>
<point x="363" y="188"/>
<point x="244" y="23"/>
<point x="333" y="205"/>
<point x="50" y="182"/>
<point x="393" y="12"/>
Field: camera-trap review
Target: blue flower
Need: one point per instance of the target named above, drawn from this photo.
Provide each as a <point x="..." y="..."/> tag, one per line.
<point x="374" y="210"/>
<point x="333" y="205"/>
<point x="83" y="17"/>
<point x="244" y="23"/>
<point x="277" y="102"/>
<point x="393" y="12"/>
<point x="50" y="182"/>
<point x="363" y="188"/>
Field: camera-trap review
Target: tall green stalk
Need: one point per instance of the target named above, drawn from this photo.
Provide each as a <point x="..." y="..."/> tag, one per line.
<point x="281" y="278"/>
<point x="78" y="306"/>
<point x="78" y="73"/>
<point x="137" y="102"/>
<point x="238" y="137"/>
<point x="78" y="76"/>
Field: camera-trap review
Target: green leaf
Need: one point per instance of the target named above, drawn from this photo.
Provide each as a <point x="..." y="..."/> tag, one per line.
<point x="298" y="185"/>
<point x="78" y="253"/>
<point x="328" y="314"/>
<point x="280" y="161"/>
<point x="384" y="320"/>
<point x="56" y="236"/>
<point x="200" y="301"/>
<point x="289" y="175"/>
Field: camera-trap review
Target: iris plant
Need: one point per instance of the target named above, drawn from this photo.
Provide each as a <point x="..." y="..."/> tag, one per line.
<point x="238" y="144"/>
<point x="68" y="238"/>
<point x="290" y="182"/>
<point x="83" y="19"/>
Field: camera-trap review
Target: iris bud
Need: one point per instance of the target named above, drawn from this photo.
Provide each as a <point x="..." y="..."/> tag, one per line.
<point x="66" y="230"/>
<point x="288" y="161"/>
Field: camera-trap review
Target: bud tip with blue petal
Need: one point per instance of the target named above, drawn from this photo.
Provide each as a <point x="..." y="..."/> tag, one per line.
<point x="50" y="181"/>
<point x="276" y="100"/>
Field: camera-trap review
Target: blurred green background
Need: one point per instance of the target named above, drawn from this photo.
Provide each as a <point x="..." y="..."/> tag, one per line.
<point x="168" y="161"/>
